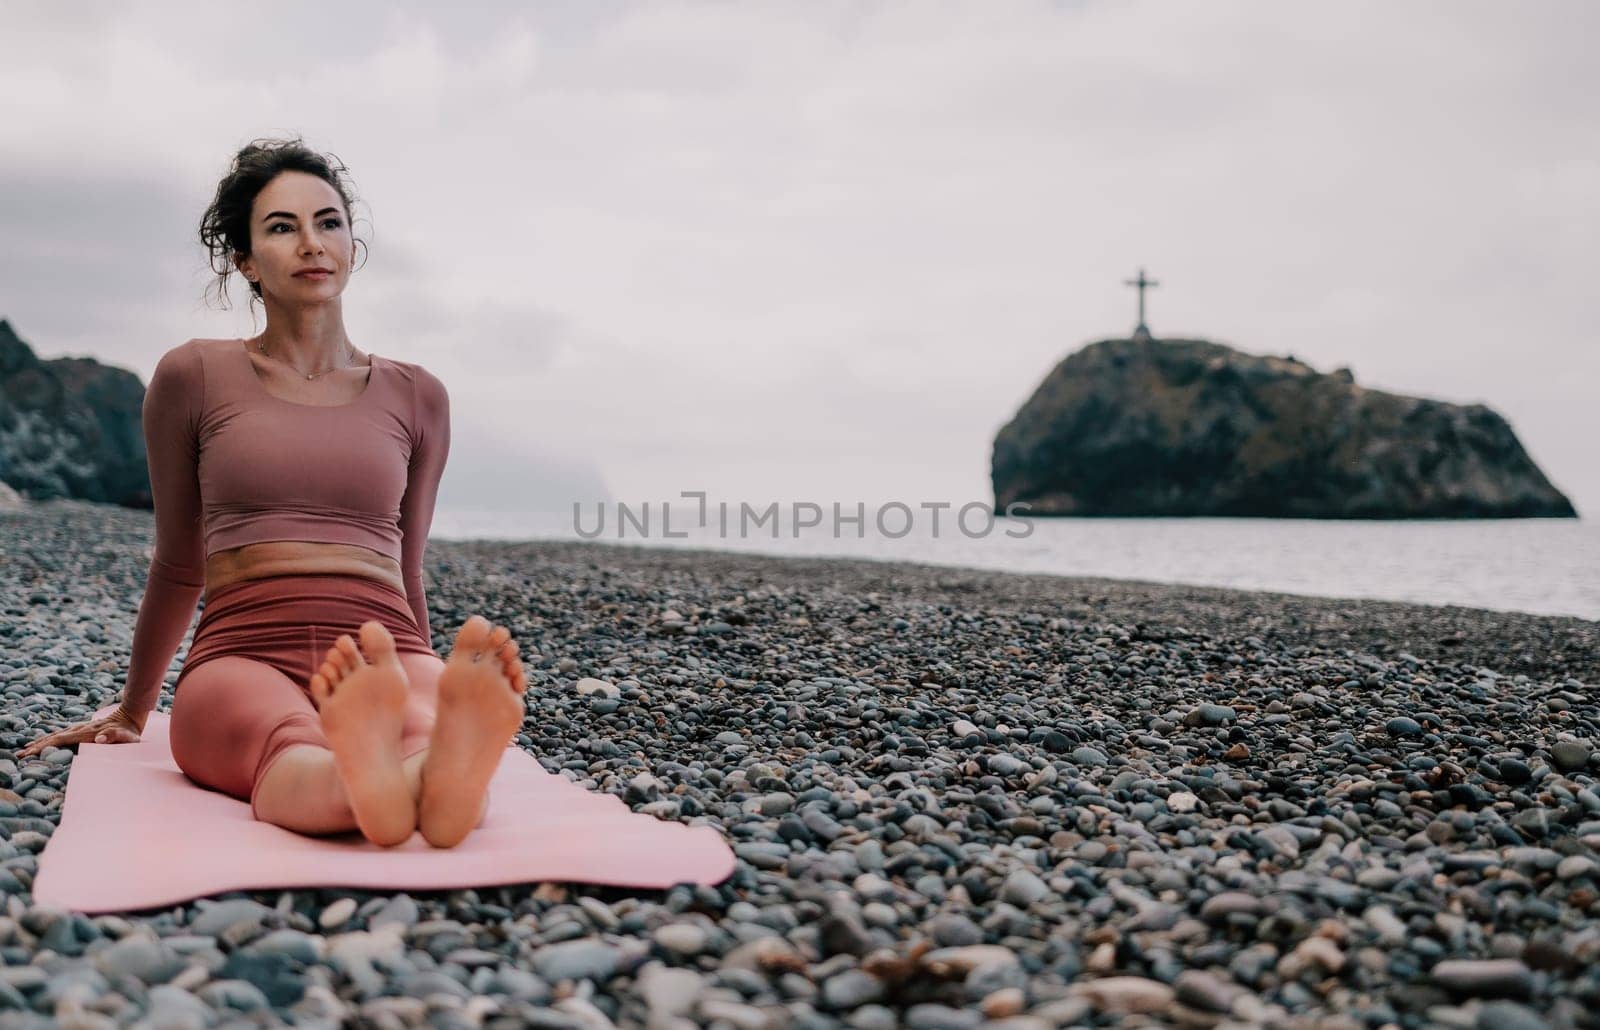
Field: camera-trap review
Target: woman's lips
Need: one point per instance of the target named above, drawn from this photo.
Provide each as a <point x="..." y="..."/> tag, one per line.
<point x="311" y="275"/>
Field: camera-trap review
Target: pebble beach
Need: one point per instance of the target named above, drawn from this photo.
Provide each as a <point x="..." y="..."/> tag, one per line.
<point x="958" y="799"/>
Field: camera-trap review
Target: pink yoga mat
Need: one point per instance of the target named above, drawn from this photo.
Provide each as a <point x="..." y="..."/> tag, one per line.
<point x="136" y="833"/>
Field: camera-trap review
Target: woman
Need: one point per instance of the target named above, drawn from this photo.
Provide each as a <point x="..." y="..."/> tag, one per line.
<point x="294" y="479"/>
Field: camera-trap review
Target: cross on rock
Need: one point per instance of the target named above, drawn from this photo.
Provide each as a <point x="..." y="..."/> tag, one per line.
<point x="1141" y="329"/>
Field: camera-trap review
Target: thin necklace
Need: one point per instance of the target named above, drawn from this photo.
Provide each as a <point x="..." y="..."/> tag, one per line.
<point x="262" y="347"/>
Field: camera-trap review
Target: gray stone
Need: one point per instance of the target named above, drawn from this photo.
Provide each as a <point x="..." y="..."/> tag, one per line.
<point x="1022" y="888"/>
<point x="401" y="910"/>
<point x="585" y="959"/>
<point x="140" y="957"/>
<point x="233" y="994"/>
<point x="851" y="988"/>
<point x="1006" y="765"/>
<point x="171" y="1008"/>
<point x="301" y="947"/>
<point x="218" y="917"/>
<point x="669" y="992"/>
<point x="1575" y="866"/>
<point x="1211" y="715"/>
<point x="337" y="914"/>
<point x="951" y="929"/>
<point x="929" y="1016"/>
<point x="1569" y="755"/>
<point x="682" y="939"/>
<point x="1494" y="977"/>
<point x="522" y="985"/>
<point x="1204" y="990"/>
<point x="1508" y="1015"/>
<point x="1219" y="907"/>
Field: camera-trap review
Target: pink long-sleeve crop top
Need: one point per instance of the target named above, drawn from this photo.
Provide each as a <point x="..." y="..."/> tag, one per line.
<point x="232" y="464"/>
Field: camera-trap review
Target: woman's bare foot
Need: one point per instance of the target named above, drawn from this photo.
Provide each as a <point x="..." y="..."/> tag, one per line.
<point x="361" y="694"/>
<point x="481" y="706"/>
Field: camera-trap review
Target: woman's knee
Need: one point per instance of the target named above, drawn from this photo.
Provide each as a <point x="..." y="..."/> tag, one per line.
<point x="228" y="713"/>
<point x="294" y="730"/>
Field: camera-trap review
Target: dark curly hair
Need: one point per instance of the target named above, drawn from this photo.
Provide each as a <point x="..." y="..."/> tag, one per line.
<point x="225" y="226"/>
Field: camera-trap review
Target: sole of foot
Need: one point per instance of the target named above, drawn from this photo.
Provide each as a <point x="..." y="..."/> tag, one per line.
<point x="361" y="694"/>
<point x="482" y="701"/>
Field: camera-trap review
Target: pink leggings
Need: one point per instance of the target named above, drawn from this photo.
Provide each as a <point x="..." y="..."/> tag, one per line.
<point x="243" y="696"/>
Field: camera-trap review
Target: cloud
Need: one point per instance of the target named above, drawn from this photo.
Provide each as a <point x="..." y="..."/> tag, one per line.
<point x="825" y="250"/>
<point x="87" y="258"/>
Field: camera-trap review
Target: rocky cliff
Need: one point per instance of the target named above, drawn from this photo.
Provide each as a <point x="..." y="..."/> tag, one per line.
<point x="70" y="427"/>
<point x="1148" y="426"/>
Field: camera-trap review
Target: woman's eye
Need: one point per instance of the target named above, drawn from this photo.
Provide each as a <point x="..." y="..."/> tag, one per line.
<point x="334" y="222"/>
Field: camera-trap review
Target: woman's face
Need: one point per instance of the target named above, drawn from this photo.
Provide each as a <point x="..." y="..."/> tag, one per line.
<point x="298" y="222"/>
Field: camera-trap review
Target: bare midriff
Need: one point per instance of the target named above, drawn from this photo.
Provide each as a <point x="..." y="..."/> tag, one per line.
<point x="298" y="558"/>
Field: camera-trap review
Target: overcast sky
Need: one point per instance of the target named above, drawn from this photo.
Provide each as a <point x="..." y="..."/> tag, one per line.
<point x="822" y="251"/>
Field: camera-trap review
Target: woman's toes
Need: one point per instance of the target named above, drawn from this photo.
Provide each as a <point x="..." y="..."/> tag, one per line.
<point x="353" y="658"/>
<point x="320" y="688"/>
<point x="473" y="634"/>
<point x="377" y="643"/>
<point x="498" y="637"/>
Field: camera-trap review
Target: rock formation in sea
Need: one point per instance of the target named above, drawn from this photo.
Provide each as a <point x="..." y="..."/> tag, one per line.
<point x="70" y="427"/>
<point x="1146" y="426"/>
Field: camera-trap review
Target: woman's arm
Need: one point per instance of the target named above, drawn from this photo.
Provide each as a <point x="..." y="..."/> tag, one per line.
<point x="172" y="405"/>
<point x="430" y="448"/>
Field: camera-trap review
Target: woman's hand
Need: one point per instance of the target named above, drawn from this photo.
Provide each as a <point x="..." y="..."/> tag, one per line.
<point x="115" y="727"/>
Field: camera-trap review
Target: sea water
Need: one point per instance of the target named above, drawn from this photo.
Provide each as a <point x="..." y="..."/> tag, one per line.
<point x="1546" y="566"/>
